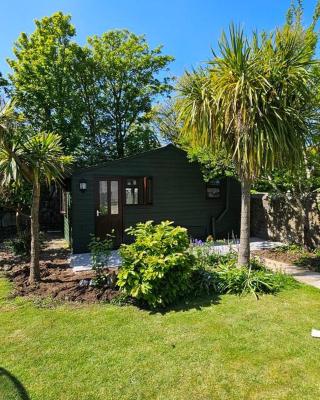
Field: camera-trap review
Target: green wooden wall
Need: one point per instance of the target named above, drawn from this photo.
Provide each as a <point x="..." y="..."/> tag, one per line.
<point x="179" y="194"/>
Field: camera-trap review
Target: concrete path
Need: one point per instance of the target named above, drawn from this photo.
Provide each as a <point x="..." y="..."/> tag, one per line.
<point x="255" y="244"/>
<point x="82" y="262"/>
<point x="302" y="275"/>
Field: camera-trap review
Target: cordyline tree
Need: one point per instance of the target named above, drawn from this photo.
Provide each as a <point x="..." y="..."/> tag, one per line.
<point x="251" y="102"/>
<point x="33" y="157"/>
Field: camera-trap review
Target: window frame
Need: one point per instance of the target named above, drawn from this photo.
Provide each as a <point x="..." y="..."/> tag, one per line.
<point x="144" y="184"/>
<point x="213" y="184"/>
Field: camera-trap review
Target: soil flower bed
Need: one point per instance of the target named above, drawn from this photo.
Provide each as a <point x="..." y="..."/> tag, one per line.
<point x="58" y="281"/>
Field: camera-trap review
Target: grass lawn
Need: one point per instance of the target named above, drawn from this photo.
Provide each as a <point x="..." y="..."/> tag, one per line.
<point x="238" y="348"/>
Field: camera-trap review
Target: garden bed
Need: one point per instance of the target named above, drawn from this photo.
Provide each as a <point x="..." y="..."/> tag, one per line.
<point x="58" y="281"/>
<point x="293" y="255"/>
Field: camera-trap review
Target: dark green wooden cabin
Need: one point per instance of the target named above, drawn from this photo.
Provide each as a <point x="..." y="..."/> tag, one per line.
<point x="156" y="185"/>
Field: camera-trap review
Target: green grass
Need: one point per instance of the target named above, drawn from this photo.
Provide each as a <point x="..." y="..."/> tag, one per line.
<point x="238" y="348"/>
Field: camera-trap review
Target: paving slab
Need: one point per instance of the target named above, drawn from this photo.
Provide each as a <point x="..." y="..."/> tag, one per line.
<point x="82" y="262"/>
<point x="302" y="275"/>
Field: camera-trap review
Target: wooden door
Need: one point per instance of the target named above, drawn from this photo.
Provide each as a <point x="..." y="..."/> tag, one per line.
<point x="109" y="208"/>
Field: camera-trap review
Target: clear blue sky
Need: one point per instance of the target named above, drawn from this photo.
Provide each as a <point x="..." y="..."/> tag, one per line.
<point x="186" y="28"/>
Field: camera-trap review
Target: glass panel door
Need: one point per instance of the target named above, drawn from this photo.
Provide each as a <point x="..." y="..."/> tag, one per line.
<point x="114" y="198"/>
<point x="103" y="197"/>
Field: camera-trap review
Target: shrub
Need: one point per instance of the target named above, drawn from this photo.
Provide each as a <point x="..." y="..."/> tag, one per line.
<point x="21" y="244"/>
<point x="100" y="251"/>
<point x="157" y="267"/>
<point x="290" y="248"/>
<point x="204" y="282"/>
<point x="219" y="273"/>
<point x="206" y="256"/>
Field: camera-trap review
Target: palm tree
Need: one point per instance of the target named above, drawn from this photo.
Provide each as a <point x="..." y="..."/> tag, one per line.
<point x="33" y="157"/>
<point x="251" y="101"/>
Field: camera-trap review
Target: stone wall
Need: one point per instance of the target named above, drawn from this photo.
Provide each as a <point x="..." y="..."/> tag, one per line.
<point x="289" y="220"/>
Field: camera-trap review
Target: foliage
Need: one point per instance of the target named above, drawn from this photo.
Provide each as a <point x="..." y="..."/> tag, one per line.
<point x="97" y="97"/>
<point x="42" y="79"/>
<point x="206" y="255"/>
<point x="242" y="280"/>
<point x="20" y="245"/>
<point x="122" y="299"/>
<point x="3" y="86"/>
<point x="259" y="98"/>
<point x="16" y="197"/>
<point x="304" y="180"/>
<point x="33" y="157"/>
<point x="291" y="248"/>
<point x="100" y="250"/>
<point x="252" y="102"/>
<point x="156" y="268"/>
<point x="125" y="84"/>
<point x="218" y="273"/>
<point x="166" y="123"/>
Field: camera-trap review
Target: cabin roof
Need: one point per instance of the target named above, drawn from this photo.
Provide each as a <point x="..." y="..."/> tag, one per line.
<point x="77" y="171"/>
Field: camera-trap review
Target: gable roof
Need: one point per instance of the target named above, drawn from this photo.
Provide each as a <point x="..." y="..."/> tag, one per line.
<point x="169" y="146"/>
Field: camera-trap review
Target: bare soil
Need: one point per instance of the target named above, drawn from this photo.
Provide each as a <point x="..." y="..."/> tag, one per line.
<point x="303" y="259"/>
<point x="58" y="281"/>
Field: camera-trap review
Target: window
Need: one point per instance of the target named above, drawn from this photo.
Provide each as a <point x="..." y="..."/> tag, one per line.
<point x="138" y="191"/>
<point x="114" y="188"/>
<point x="103" y="197"/>
<point x="213" y="189"/>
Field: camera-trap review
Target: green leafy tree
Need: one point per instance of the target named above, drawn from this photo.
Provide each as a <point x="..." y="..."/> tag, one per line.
<point x="127" y="72"/>
<point x="31" y="157"/>
<point x="251" y="101"/>
<point x="97" y="97"/>
<point x="42" y="79"/>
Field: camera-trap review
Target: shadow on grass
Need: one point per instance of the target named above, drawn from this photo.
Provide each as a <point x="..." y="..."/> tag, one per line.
<point x="11" y="388"/>
<point x="196" y="303"/>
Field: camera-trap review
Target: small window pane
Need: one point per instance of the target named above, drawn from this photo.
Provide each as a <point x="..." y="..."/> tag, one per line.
<point x="103" y="197"/>
<point x="131" y="182"/>
<point x="114" y="197"/>
<point x="132" y="196"/>
<point x="213" y="192"/>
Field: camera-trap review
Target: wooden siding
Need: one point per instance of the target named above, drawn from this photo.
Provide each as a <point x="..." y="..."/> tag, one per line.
<point x="179" y="194"/>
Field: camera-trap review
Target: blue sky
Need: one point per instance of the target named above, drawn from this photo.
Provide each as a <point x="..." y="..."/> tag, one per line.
<point x="186" y="28"/>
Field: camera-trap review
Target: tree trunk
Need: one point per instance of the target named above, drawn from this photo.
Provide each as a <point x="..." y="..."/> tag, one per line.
<point x="35" y="246"/>
<point x="244" y="248"/>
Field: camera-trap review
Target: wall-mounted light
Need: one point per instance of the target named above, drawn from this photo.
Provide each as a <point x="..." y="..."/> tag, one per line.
<point x="83" y="185"/>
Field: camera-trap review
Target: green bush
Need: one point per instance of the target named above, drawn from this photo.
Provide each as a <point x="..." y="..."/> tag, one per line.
<point x="206" y="256"/>
<point x="219" y="273"/>
<point x="100" y="250"/>
<point x="21" y="244"/>
<point x="157" y="267"/>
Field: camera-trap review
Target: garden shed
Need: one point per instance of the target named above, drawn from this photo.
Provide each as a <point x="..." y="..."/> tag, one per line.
<point x="160" y="184"/>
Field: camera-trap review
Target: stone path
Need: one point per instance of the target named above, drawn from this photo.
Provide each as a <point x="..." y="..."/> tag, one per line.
<point x="302" y="275"/>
